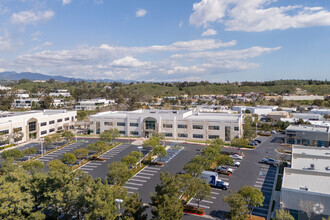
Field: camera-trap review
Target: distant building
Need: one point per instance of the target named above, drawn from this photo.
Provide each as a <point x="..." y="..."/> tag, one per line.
<point x="175" y="124"/>
<point x="321" y="111"/>
<point x="260" y="110"/>
<point x="303" y="97"/>
<point x="4" y="88"/>
<point x="25" y="103"/>
<point x="307" y="116"/>
<point x="60" y="92"/>
<point x="276" y="116"/>
<point x="306" y="184"/>
<point x="58" y="103"/>
<point x="22" y="95"/>
<point x="36" y="124"/>
<point x="308" y="135"/>
<point x="39" y="81"/>
<point x="93" y="104"/>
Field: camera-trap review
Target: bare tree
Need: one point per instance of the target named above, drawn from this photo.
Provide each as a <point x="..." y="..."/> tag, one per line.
<point x="307" y="206"/>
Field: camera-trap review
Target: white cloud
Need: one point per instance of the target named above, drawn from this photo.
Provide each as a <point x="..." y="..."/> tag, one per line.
<point x="209" y="32"/>
<point x="6" y="43"/>
<point x="42" y="46"/>
<point x="98" y="2"/>
<point x="257" y="15"/>
<point x="128" y="62"/>
<point x="176" y="61"/>
<point x="180" y="24"/>
<point x="140" y="12"/>
<point x="30" y="17"/>
<point x="66" y="2"/>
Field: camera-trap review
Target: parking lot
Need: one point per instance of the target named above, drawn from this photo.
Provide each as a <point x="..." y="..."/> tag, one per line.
<point x="251" y="173"/>
<point x="100" y="168"/>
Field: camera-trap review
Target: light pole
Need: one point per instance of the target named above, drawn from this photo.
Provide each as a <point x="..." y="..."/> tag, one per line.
<point x="42" y="145"/>
<point x="118" y="202"/>
<point x="140" y="148"/>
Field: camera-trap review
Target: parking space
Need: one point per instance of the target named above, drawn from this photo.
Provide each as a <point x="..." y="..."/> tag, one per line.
<point x="100" y="168"/>
<point x="265" y="182"/>
<point x="171" y="152"/>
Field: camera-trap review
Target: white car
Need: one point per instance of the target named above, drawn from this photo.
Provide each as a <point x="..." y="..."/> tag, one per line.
<point x="236" y="156"/>
<point x="236" y="164"/>
<point x="224" y="169"/>
<point x="270" y="161"/>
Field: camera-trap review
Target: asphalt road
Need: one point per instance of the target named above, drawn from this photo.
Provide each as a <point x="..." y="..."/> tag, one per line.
<point x="250" y="173"/>
<point x="100" y="168"/>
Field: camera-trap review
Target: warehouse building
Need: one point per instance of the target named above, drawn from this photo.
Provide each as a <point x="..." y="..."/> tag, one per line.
<point x="309" y="135"/>
<point x="34" y="124"/>
<point x="305" y="188"/>
<point x="175" y="124"/>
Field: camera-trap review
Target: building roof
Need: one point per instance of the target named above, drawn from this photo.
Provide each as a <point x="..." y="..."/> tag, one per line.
<point x="308" y="128"/>
<point x="305" y="180"/>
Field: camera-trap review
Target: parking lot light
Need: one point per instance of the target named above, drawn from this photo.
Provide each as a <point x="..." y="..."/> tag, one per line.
<point x="140" y="148"/>
<point x="118" y="202"/>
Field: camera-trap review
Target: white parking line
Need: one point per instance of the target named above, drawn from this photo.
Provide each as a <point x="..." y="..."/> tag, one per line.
<point x="128" y="187"/>
<point x="137" y="180"/>
<point x="143" y="177"/>
<point x="153" y="168"/>
<point x="259" y="186"/>
<point x="151" y="171"/>
<point x="92" y="163"/>
<point x="215" y="193"/>
<point x="213" y="197"/>
<point x="89" y="166"/>
<point x="207" y="201"/>
<point x="84" y="168"/>
<point x="202" y="206"/>
<point x="136" y="184"/>
<point x="148" y="174"/>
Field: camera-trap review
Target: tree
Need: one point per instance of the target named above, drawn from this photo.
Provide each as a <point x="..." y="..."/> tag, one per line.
<point x="109" y="135"/>
<point x="67" y="135"/>
<point x="224" y="160"/>
<point x="159" y="151"/>
<point x="160" y="136"/>
<point x="194" y="169"/>
<point x="249" y="131"/>
<point x="136" y="154"/>
<point x="81" y="115"/>
<point x="56" y="138"/>
<point x="206" y="163"/>
<point x="239" y="142"/>
<point x="118" y="173"/>
<point x="307" y="206"/>
<point x="81" y="153"/>
<point x="4" y="138"/>
<point x="265" y="127"/>
<point x="30" y="151"/>
<point x="134" y="208"/>
<point x="203" y="190"/>
<point x="165" y="201"/>
<point x="17" y="134"/>
<point x="129" y="160"/>
<point x="238" y="210"/>
<point x="210" y="153"/>
<point x="283" y="215"/>
<point x="46" y="102"/>
<point x="33" y="166"/>
<point x="151" y="142"/>
<point x="217" y="143"/>
<point x="13" y="153"/>
<point x="48" y="141"/>
<point x="252" y="196"/>
<point x="98" y="146"/>
<point x="68" y="158"/>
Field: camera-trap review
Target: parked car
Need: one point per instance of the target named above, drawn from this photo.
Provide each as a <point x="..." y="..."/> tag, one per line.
<point x="236" y="156"/>
<point x="236" y="164"/>
<point x="224" y="169"/>
<point x="258" y="141"/>
<point x="253" y="143"/>
<point x="273" y="132"/>
<point x="270" y="161"/>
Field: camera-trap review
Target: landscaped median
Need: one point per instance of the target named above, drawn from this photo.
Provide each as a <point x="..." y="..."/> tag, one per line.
<point x="51" y="151"/>
<point x="95" y="156"/>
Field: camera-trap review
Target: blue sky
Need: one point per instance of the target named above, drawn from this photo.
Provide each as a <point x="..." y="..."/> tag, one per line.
<point x="167" y="40"/>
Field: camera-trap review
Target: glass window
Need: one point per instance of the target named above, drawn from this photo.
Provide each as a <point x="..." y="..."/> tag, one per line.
<point x="59" y="128"/>
<point x="213" y="127"/>
<point x="134" y="124"/>
<point x="122" y="132"/>
<point x="32" y="126"/>
<point x="168" y="135"/>
<point x="182" y="126"/>
<point x="197" y="136"/>
<point x="4" y="132"/>
<point x="51" y="130"/>
<point x="167" y="126"/>
<point x="182" y="135"/>
<point x="59" y="120"/>
<point x="197" y="126"/>
<point x="51" y="122"/>
<point x="213" y="136"/>
<point x="120" y="123"/>
<point x="43" y="124"/>
<point x="151" y="125"/>
<point x="67" y="119"/>
<point x="227" y="133"/>
<point x="134" y="133"/>
<point x="43" y="132"/>
<point x="236" y="128"/>
<point x="108" y="123"/>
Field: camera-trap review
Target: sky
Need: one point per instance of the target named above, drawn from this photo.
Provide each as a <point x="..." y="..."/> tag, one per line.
<point x="167" y="40"/>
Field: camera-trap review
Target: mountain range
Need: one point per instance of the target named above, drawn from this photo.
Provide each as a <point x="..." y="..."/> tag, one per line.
<point x="38" y="76"/>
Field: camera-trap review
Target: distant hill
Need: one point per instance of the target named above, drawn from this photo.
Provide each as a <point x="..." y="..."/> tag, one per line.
<point x="39" y="76"/>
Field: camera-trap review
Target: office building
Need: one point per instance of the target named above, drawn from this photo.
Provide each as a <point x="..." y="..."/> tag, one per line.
<point x="309" y="135"/>
<point x="175" y="124"/>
